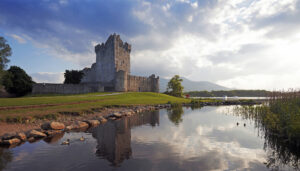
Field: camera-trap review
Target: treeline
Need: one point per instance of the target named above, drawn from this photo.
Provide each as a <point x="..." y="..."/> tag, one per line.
<point x="229" y="93"/>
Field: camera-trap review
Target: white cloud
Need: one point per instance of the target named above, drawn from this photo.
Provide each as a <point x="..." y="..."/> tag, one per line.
<point x="48" y="77"/>
<point x="18" y="38"/>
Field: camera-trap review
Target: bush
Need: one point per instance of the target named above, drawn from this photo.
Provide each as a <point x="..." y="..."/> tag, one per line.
<point x="73" y="76"/>
<point x="17" y="82"/>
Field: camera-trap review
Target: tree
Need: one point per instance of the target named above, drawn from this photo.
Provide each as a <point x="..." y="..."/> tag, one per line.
<point x="17" y="82"/>
<point x="73" y="76"/>
<point x="175" y="86"/>
<point x="5" y="52"/>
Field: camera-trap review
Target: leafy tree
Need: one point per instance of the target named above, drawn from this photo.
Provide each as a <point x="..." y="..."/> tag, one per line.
<point x="5" y="52"/>
<point x="175" y="86"/>
<point x="17" y="82"/>
<point x="73" y="76"/>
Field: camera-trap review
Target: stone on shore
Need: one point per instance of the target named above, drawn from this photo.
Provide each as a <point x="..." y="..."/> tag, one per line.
<point x="53" y="132"/>
<point x="53" y="126"/>
<point x="12" y="141"/>
<point x="31" y="139"/>
<point x="36" y="134"/>
<point x="103" y="120"/>
<point x="8" y="136"/>
<point x="116" y="115"/>
<point x="112" y="118"/>
<point x="21" y="136"/>
<point x="93" y="123"/>
<point x="77" y="125"/>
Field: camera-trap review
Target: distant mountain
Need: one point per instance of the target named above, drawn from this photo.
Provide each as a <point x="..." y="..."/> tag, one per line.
<point x="192" y="85"/>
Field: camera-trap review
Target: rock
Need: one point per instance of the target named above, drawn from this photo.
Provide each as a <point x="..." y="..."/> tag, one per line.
<point x="70" y="127"/>
<point x="12" y="141"/>
<point x="77" y="125"/>
<point x="8" y="136"/>
<point x="31" y="139"/>
<point x="21" y="136"/>
<point x="116" y="115"/>
<point x="82" y="124"/>
<point x="112" y="118"/>
<point x="53" y="126"/>
<point x="36" y="134"/>
<point x="53" y="132"/>
<point x="103" y="120"/>
<point x="93" y="123"/>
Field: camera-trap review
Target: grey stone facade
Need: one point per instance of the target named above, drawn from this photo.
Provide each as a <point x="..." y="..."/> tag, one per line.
<point x="112" y="69"/>
<point x="111" y="72"/>
<point x="47" y="88"/>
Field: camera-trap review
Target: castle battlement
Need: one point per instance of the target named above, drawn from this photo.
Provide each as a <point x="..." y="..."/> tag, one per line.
<point x="113" y="39"/>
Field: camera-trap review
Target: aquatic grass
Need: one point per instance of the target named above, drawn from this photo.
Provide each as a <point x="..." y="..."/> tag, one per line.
<point x="279" y="119"/>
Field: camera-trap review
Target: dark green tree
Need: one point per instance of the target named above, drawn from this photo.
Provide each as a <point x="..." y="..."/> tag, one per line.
<point x="73" y="76"/>
<point x="174" y="86"/>
<point x="17" y="82"/>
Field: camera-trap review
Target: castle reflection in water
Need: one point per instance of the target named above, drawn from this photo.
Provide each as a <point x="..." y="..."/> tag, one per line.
<point x="114" y="137"/>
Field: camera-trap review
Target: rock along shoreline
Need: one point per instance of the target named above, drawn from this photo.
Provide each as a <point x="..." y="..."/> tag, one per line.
<point x="51" y="128"/>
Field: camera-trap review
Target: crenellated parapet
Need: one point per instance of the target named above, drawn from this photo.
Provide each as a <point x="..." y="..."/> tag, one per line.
<point x="113" y="39"/>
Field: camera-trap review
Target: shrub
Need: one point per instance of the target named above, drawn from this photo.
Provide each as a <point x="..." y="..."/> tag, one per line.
<point x="17" y="82"/>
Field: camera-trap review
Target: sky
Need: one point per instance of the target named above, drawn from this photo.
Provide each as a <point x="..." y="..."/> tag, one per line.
<point x="243" y="44"/>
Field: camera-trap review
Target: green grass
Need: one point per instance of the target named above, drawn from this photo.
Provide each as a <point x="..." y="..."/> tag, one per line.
<point x="82" y="103"/>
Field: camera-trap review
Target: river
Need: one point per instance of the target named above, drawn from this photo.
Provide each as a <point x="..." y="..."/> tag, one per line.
<point x="209" y="138"/>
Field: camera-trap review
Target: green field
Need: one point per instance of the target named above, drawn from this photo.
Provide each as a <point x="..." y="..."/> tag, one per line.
<point x="54" y="104"/>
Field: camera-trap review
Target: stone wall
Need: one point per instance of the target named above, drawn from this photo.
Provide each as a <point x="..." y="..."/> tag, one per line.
<point x="142" y="84"/>
<point x="122" y="55"/>
<point x="43" y="88"/>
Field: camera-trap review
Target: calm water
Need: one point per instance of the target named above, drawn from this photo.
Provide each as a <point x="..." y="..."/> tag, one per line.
<point x="201" y="139"/>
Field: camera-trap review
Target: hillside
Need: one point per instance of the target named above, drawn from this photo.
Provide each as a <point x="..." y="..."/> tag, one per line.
<point x="192" y="85"/>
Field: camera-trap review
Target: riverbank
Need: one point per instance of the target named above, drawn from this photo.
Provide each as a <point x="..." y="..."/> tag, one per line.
<point x="22" y="115"/>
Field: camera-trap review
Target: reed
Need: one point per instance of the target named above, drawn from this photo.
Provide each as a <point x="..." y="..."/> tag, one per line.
<point x="279" y="121"/>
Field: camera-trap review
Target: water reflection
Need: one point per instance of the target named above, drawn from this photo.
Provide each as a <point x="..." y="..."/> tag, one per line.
<point x="5" y="157"/>
<point x="175" y="115"/>
<point x="185" y="139"/>
<point x="114" y="138"/>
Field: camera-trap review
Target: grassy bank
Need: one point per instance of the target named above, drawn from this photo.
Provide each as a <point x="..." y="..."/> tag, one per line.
<point x="51" y="106"/>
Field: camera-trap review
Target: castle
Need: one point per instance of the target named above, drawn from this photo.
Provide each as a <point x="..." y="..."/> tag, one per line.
<point x="111" y="72"/>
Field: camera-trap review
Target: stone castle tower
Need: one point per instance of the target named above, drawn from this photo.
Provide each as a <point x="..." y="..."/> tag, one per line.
<point x="111" y="72"/>
<point x="112" y="68"/>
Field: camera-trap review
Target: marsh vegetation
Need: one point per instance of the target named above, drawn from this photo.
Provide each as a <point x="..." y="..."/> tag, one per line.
<point x="279" y="120"/>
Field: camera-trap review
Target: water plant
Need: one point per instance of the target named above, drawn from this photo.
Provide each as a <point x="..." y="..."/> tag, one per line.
<point x="279" y="120"/>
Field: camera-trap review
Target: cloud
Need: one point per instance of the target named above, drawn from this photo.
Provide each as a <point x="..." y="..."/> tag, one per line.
<point x="18" y="38"/>
<point x="220" y="41"/>
<point x="47" y="77"/>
